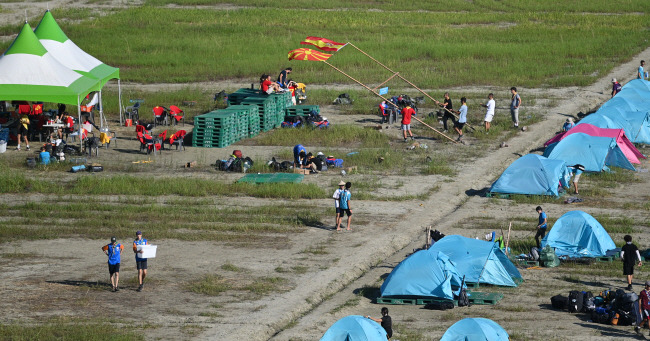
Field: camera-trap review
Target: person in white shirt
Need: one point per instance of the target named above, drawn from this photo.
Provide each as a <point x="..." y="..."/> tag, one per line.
<point x="489" y="114"/>
<point x="337" y="196"/>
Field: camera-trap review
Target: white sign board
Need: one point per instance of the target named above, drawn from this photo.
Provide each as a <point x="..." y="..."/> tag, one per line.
<point x="148" y="251"/>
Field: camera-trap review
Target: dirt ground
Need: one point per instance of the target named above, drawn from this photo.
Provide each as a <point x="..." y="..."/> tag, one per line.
<point x="67" y="277"/>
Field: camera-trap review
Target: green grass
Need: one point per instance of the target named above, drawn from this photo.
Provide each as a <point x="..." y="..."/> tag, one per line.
<point x="64" y="328"/>
<point x="343" y="135"/>
<point x="210" y="285"/>
<point x="215" y="285"/>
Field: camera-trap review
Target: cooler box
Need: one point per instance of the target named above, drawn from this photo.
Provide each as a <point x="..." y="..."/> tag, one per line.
<point x="148" y="251"/>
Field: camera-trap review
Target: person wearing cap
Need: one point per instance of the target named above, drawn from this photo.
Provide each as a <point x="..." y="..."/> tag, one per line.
<point x="490" y="105"/>
<point x="576" y="170"/>
<point x="629" y="255"/>
<point x="337" y="197"/>
<point x="568" y="124"/>
<point x="644" y="307"/>
<point x="140" y="263"/>
<point x="616" y="87"/>
<point x="114" y="251"/>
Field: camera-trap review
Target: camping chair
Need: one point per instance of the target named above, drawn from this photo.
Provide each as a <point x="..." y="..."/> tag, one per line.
<point x="177" y="114"/>
<point x="160" y="116"/>
<point x="141" y="129"/>
<point x="177" y="140"/>
<point x="162" y="136"/>
<point x="147" y="143"/>
<point x="132" y="112"/>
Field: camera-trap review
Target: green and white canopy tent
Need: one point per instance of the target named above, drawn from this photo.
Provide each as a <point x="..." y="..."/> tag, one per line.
<point x="69" y="54"/>
<point x="28" y="72"/>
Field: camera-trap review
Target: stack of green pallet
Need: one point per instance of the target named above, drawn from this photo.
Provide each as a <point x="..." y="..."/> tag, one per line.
<point x="282" y="101"/>
<point x="249" y="115"/>
<point x="266" y="109"/>
<point x="238" y="96"/>
<point x="301" y="110"/>
<point x="214" y="129"/>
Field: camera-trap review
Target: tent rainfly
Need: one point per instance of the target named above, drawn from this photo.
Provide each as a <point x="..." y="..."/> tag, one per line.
<point x="578" y="234"/>
<point x="534" y="175"/>
<point x="475" y="329"/>
<point x="595" y="153"/>
<point x="355" y="328"/>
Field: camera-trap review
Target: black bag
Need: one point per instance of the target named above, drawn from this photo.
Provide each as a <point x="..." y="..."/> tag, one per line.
<point x="463" y="300"/>
<point x="440" y="305"/>
<point x="600" y="317"/>
<point x="575" y="301"/>
<point x="588" y="302"/>
<point x="626" y="318"/>
<point x="629" y="297"/>
<point x="559" y="302"/>
<point x="436" y="235"/>
<point x="95" y="169"/>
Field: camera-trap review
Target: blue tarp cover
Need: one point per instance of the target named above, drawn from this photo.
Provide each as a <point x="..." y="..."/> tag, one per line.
<point x="355" y="328"/>
<point x="423" y="274"/>
<point x="479" y="261"/>
<point x="577" y="234"/>
<point x="595" y="153"/>
<point x="475" y="329"/>
<point x="533" y="174"/>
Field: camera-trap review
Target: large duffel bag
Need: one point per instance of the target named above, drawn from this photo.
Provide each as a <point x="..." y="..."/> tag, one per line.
<point x="559" y="302"/>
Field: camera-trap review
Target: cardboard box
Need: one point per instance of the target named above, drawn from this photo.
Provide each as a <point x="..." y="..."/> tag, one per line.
<point x="301" y="171"/>
<point x="148" y="251"/>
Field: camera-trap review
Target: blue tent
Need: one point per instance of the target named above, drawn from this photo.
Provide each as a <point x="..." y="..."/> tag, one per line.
<point x="475" y="329"/>
<point x="423" y="274"/>
<point x="577" y="234"/>
<point x="479" y="261"/>
<point x="635" y="124"/>
<point x="639" y="84"/>
<point x="355" y="328"/>
<point x="533" y="174"/>
<point x="593" y="152"/>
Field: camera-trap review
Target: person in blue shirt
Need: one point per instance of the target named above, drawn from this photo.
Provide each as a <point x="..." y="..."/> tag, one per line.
<point x="299" y="155"/>
<point x="344" y="205"/>
<point x="44" y="155"/>
<point x="576" y="171"/>
<point x="140" y="263"/>
<point x="568" y="125"/>
<point x="462" y="118"/>
<point x="114" y="251"/>
<point x="541" y="227"/>
<point x="640" y="74"/>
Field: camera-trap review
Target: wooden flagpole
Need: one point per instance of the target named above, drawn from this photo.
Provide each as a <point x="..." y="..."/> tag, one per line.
<point x="407" y="81"/>
<point x="385" y="99"/>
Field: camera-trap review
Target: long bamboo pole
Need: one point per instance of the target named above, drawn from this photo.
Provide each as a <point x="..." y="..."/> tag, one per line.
<point x="407" y="81"/>
<point x="387" y="101"/>
<point x="508" y="239"/>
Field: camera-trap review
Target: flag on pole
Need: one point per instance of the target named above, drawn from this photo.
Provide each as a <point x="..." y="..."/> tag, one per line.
<point x="323" y="44"/>
<point x="308" y="54"/>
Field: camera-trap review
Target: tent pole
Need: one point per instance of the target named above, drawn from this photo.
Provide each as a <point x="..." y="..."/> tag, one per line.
<point x="101" y="111"/>
<point x="119" y="99"/>
<point x="385" y="99"/>
<point x="405" y="80"/>
<point x="79" y="118"/>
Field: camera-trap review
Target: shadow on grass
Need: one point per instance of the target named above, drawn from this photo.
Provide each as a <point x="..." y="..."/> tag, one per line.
<point x="89" y="284"/>
<point x="476" y="192"/>
<point x="369" y="292"/>
<point x="310" y="221"/>
<point x="611" y="332"/>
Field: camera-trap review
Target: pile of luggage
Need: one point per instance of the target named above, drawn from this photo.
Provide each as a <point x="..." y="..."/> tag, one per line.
<point x="609" y="307"/>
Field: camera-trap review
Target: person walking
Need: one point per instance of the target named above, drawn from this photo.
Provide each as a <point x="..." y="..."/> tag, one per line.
<point x="386" y="322"/>
<point x="489" y="112"/>
<point x="541" y="226"/>
<point x="462" y="118"/>
<point x="407" y="112"/>
<point x="448" y="108"/>
<point x="140" y="263"/>
<point x="337" y="197"/>
<point x="515" y="102"/>
<point x="629" y="255"/>
<point x="644" y="307"/>
<point x="114" y="251"/>
<point x="23" y="130"/>
<point x="640" y="74"/>
<point x="344" y="205"/>
<point x="616" y="87"/>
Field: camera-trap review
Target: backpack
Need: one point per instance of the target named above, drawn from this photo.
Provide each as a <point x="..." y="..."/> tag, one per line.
<point x="534" y="254"/>
<point x="588" y="303"/>
<point x="440" y="305"/>
<point x="575" y="301"/>
<point x="559" y="302"/>
<point x="436" y="235"/>
<point x="548" y="257"/>
<point x="463" y="300"/>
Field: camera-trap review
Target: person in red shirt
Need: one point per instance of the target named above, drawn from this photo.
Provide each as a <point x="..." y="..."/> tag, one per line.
<point x="267" y="85"/>
<point x="407" y="112"/>
<point x="644" y="307"/>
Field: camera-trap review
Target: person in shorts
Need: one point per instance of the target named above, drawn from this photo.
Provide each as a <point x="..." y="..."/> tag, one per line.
<point x="337" y="197"/>
<point x="577" y="172"/>
<point x="344" y="205"/>
<point x="462" y="118"/>
<point x="629" y="255"/>
<point x="114" y="251"/>
<point x="489" y="113"/>
<point x="23" y="131"/>
<point x="541" y="226"/>
<point x="515" y="102"/>
<point x="407" y="112"/>
<point x="644" y="307"/>
<point x="140" y="263"/>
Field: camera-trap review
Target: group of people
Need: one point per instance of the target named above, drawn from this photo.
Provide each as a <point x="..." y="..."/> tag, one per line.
<point x="114" y="253"/>
<point x="304" y="160"/>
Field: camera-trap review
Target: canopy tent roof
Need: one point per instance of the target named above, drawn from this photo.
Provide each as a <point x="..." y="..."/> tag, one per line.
<point x="355" y="328"/>
<point x="423" y="274"/>
<point x="478" y="260"/>
<point x="532" y="174"/>
<point x="475" y="329"/>
<point x="628" y="148"/>
<point x="28" y="72"/>
<point x="593" y="152"/>
<point x="69" y="54"/>
<point x="578" y="234"/>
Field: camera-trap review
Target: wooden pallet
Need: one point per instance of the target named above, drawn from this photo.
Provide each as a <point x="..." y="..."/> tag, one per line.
<point x="484" y="298"/>
<point x="396" y="300"/>
<point x="475" y="297"/>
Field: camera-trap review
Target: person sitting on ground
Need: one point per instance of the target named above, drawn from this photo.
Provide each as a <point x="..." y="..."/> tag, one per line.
<point x="568" y="125"/>
<point x="44" y="155"/>
<point x="283" y="76"/>
<point x="616" y="87"/>
<point x="267" y="86"/>
<point x="309" y="162"/>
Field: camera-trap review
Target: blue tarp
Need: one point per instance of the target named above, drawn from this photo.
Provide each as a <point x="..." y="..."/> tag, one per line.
<point x="595" y="153"/>
<point x="423" y="274"/>
<point x="475" y="329"/>
<point x="577" y="234"/>
<point x="355" y="328"/>
<point x="479" y="261"/>
<point x="533" y="174"/>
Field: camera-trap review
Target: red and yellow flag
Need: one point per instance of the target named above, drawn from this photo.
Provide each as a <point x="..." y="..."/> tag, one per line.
<point x="308" y="54"/>
<point x="323" y="44"/>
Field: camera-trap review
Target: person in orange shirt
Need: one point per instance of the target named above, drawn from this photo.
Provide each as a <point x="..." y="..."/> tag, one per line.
<point x="114" y="251"/>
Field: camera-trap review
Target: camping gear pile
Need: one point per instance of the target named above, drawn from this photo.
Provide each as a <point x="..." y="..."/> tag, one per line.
<point x="235" y="163"/>
<point x="304" y="115"/>
<point x="609" y="307"/>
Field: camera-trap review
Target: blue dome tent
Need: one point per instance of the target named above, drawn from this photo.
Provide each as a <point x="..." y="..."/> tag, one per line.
<point x="475" y="329"/>
<point x="533" y="174"/>
<point x="479" y="261"/>
<point x="578" y="234"/>
<point x="355" y="328"/>
<point x="595" y="153"/>
<point x="423" y="273"/>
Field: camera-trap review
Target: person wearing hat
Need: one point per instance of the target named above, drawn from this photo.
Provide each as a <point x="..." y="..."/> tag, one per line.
<point x="114" y="251"/>
<point x="644" y="307"/>
<point x="576" y="170"/>
<point x="344" y="204"/>
<point x="568" y="124"/>
<point x="616" y="87"/>
<point x="337" y="197"/>
<point x="140" y="263"/>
